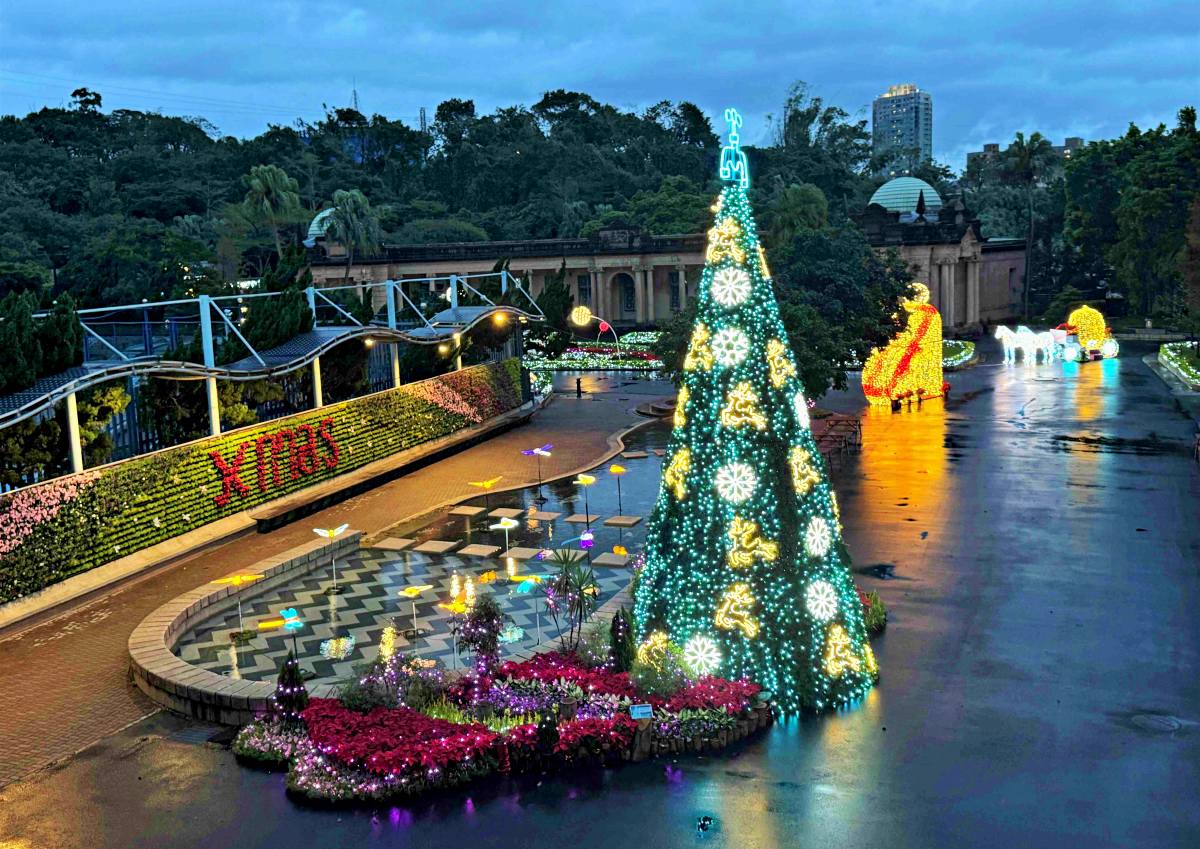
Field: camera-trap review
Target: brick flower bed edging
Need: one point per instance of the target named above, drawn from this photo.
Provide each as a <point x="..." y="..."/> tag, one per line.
<point x="199" y="693"/>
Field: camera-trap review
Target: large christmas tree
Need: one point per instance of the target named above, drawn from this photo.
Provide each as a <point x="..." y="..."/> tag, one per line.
<point x="745" y="565"/>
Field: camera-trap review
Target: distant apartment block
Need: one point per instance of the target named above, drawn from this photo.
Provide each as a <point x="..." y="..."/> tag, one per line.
<point x="902" y="123"/>
<point x="992" y="151"/>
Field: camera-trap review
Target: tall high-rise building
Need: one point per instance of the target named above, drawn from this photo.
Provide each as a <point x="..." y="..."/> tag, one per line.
<point x="902" y="122"/>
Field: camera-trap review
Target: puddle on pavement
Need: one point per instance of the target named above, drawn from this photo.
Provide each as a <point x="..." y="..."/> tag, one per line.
<point x="883" y="571"/>
<point x="1150" y="445"/>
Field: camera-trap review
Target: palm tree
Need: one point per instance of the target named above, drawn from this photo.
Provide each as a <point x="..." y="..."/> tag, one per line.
<point x="794" y="208"/>
<point x="353" y="224"/>
<point x="271" y="195"/>
<point x="1025" y="163"/>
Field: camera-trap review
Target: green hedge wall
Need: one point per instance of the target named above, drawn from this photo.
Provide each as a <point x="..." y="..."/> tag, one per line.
<point x="66" y="526"/>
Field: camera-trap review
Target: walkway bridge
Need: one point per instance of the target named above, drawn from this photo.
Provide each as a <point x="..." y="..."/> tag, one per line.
<point x="146" y="338"/>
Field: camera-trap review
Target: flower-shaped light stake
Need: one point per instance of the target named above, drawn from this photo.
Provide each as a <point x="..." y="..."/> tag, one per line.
<point x="291" y="624"/>
<point x="236" y="581"/>
<point x="616" y="471"/>
<point x="412" y="591"/>
<point x="539" y="453"/>
<point x="505" y="525"/>
<point x="332" y="534"/>
<point x="584" y="481"/>
<point x="486" y="486"/>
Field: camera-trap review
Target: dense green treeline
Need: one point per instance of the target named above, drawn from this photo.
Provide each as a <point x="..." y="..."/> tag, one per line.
<point x="120" y="206"/>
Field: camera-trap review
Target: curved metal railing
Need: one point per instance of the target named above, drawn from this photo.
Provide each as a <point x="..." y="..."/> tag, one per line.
<point x="428" y="311"/>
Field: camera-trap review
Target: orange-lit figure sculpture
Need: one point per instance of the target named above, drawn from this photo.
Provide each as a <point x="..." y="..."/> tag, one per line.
<point x="911" y="364"/>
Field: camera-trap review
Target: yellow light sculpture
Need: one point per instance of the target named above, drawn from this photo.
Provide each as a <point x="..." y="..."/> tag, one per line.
<point x="748" y="545"/>
<point x="741" y="408"/>
<point x="839" y="652"/>
<point x="237" y="580"/>
<point x="654" y="650"/>
<point x="804" y="473"/>
<point x="581" y="316"/>
<point x="780" y="365"/>
<point x="676" y="473"/>
<point x="680" y="407"/>
<point x="699" y="355"/>
<point x="911" y="364"/>
<point x="733" y="613"/>
<point x="1089" y="326"/>
<point x="724" y="240"/>
<point x="387" y="642"/>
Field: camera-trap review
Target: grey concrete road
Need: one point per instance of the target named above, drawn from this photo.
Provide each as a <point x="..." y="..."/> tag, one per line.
<point x="1037" y="539"/>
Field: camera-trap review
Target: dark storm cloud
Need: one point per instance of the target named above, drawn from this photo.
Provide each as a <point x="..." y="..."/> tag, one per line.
<point x="1066" y="68"/>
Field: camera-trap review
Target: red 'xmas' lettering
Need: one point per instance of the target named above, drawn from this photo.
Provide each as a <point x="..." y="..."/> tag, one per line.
<point x="231" y="480"/>
<point x="296" y="450"/>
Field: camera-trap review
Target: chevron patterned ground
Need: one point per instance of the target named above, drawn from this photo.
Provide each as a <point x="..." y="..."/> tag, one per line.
<point x="371" y="601"/>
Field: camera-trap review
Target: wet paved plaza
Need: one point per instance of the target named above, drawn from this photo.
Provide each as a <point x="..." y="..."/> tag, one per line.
<point x="1036" y="539"/>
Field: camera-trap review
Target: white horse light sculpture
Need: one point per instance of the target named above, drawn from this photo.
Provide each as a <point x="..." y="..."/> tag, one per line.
<point x="1028" y="342"/>
<point x="1008" y="340"/>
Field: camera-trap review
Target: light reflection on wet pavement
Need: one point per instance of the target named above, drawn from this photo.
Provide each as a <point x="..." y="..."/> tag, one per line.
<point x="1035" y="538"/>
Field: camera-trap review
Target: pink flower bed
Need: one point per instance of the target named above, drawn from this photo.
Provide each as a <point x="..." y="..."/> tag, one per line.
<point x="30" y="507"/>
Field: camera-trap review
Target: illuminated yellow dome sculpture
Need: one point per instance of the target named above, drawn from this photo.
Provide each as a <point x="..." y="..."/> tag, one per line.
<point x="1092" y="339"/>
<point x="911" y="364"/>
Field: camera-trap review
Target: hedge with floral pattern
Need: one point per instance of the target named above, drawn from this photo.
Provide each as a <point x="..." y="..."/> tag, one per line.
<point x="68" y="525"/>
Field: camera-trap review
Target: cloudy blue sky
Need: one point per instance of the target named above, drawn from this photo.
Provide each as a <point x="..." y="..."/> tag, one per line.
<point x="1064" y="67"/>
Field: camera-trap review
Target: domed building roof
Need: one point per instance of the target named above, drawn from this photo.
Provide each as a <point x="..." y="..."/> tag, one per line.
<point x="900" y="195"/>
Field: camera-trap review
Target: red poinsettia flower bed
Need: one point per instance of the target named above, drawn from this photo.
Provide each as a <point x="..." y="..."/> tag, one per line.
<point x="554" y="665"/>
<point x="393" y="741"/>
<point x="591" y="734"/>
<point x="712" y="694"/>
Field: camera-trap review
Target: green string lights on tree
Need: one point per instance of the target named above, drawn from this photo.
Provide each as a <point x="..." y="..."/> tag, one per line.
<point x="744" y="547"/>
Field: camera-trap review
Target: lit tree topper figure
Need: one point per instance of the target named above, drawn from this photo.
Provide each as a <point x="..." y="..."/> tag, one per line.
<point x="744" y="558"/>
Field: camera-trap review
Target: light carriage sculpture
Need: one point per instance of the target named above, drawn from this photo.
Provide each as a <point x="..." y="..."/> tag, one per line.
<point x="1082" y="337"/>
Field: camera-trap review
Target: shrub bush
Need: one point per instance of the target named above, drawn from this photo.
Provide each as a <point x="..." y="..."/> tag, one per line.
<point x="664" y="675"/>
<point x="595" y="648"/>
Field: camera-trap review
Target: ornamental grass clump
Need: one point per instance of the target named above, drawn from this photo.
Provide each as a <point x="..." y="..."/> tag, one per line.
<point x="595" y="649"/>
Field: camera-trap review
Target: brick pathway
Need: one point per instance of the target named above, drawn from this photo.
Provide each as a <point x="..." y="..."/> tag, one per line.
<point x="64" y="683"/>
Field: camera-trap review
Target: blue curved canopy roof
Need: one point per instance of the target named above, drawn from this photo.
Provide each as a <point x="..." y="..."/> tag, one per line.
<point x="316" y="228"/>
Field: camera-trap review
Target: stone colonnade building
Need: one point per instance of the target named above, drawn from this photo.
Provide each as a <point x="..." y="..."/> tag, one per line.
<point x="626" y="277"/>
<point x="971" y="279"/>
